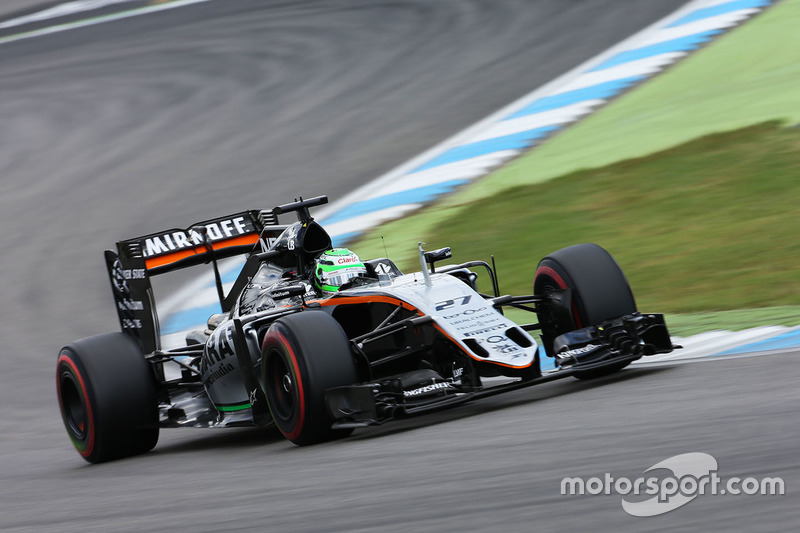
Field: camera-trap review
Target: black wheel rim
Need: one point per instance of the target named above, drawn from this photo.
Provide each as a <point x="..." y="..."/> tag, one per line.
<point x="548" y="319"/>
<point x="73" y="403"/>
<point x="281" y="390"/>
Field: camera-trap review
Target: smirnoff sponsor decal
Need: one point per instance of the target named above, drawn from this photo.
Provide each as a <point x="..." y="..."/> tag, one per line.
<point x="178" y="240"/>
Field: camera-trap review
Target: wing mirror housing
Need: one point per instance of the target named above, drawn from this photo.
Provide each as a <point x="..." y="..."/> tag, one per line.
<point x="435" y="256"/>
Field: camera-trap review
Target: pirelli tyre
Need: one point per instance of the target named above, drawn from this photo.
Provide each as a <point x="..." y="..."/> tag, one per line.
<point x="599" y="292"/>
<point x="303" y="355"/>
<point x="107" y="396"/>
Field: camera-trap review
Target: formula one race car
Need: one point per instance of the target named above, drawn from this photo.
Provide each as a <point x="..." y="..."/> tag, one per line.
<point x="317" y="342"/>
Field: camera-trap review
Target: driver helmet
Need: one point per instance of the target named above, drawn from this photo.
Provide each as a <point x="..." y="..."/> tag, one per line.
<point x="336" y="267"/>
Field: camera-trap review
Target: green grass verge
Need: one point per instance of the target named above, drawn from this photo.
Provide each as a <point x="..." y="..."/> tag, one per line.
<point x="694" y="323"/>
<point x="744" y="78"/>
<point x="708" y="225"/>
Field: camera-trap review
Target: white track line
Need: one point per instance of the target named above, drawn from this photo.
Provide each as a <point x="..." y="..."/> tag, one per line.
<point x="100" y="19"/>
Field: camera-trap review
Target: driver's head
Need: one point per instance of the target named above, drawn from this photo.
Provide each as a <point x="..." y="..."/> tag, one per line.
<point x="336" y="267"/>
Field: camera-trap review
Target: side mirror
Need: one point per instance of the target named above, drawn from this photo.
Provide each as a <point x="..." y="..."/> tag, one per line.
<point x="437" y="255"/>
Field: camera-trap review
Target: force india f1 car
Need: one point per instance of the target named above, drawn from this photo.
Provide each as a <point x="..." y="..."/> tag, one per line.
<point x="317" y="364"/>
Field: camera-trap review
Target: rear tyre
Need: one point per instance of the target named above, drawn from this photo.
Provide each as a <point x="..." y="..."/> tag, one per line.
<point x="599" y="289"/>
<point x="107" y="397"/>
<point x="304" y="355"/>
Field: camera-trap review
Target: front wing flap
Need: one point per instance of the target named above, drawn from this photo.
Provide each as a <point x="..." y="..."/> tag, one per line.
<point x="626" y="338"/>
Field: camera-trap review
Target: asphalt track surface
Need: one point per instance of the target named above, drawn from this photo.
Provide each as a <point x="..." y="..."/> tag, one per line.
<point x="130" y="127"/>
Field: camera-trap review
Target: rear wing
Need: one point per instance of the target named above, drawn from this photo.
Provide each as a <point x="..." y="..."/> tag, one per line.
<point x="136" y="260"/>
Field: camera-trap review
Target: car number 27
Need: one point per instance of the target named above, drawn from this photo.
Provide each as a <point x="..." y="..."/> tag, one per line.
<point x="447" y="304"/>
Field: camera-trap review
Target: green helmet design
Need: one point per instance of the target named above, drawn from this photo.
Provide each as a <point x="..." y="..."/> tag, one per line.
<point x="336" y="267"/>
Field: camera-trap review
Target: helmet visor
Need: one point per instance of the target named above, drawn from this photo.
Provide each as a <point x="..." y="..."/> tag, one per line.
<point x="340" y="277"/>
<point x="334" y="280"/>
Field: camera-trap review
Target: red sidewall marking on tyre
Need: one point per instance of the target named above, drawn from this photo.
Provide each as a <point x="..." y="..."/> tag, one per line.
<point x="86" y="450"/>
<point x="547" y="271"/>
<point x="298" y="427"/>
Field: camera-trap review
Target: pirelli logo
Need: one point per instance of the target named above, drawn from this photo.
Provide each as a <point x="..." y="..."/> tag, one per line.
<point x="169" y="247"/>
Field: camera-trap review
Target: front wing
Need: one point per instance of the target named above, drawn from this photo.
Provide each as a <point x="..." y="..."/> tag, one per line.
<point x="611" y="344"/>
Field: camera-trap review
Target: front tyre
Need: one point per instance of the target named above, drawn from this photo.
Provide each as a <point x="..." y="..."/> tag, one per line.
<point x="303" y="355"/>
<point x="107" y="396"/>
<point x="599" y="292"/>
